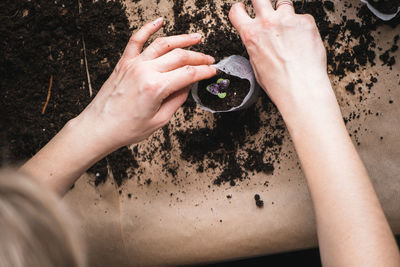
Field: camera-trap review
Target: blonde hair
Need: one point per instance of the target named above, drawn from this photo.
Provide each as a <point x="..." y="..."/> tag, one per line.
<point x="35" y="230"/>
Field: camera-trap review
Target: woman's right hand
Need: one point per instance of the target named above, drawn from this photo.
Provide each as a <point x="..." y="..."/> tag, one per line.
<point x="145" y="89"/>
<point x="286" y="52"/>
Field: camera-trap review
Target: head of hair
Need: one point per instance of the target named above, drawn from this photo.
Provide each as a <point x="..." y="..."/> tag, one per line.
<point x="35" y="229"/>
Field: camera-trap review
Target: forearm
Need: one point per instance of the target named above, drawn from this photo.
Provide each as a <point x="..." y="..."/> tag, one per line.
<point x="352" y="228"/>
<point x="65" y="158"/>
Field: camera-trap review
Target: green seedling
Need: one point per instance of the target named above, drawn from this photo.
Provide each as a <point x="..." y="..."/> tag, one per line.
<point x="219" y="87"/>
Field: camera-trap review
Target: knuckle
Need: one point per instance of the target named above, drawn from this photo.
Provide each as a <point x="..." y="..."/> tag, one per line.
<point x="308" y="20"/>
<point x="132" y="39"/>
<point x="125" y="67"/>
<point x="287" y="21"/>
<point x="132" y="69"/>
<point x="152" y="86"/>
<point x="158" y="121"/>
<point x="250" y="36"/>
<point x="181" y="54"/>
<point x="122" y="67"/>
<point x="117" y="68"/>
<point x="191" y="70"/>
<point x="201" y="56"/>
<point x="165" y="119"/>
<point x="160" y="42"/>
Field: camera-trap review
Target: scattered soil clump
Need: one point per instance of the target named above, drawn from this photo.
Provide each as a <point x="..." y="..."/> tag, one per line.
<point x="259" y="201"/>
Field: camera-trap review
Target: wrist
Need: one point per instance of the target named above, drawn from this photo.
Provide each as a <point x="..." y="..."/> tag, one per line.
<point x="86" y="138"/>
<point x="308" y="99"/>
<point x="65" y="158"/>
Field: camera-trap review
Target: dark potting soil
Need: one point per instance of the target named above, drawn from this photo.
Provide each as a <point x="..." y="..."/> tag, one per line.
<point x="43" y="39"/>
<point x="235" y="94"/>
<point x="386" y="6"/>
<point x="218" y="146"/>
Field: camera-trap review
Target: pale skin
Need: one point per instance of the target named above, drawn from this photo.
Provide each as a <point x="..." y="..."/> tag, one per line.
<point x="141" y="95"/>
<point x="289" y="60"/>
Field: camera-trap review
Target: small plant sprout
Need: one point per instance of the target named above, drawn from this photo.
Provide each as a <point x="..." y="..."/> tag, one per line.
<point x="219" y="88"/>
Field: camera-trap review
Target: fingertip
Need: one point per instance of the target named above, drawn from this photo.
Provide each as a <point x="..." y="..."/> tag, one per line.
<point x="238" y="5"/>
<point x="238" y="15"/>
<point x="215" y="70"/>
<point x="158" y="22"/>
<point x="196" y="36"/>
<point x="211" y="59"/>
<point x="144" y="33"/>
<point x="212" y="71"/>
<point x="155" y="25"/>
<point x="233" y="9"/>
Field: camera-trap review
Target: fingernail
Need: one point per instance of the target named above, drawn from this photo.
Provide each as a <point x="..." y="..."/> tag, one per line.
<point x="196" y="36"/>
<point x="211" y="59"/>
<point x="158" y="21"/>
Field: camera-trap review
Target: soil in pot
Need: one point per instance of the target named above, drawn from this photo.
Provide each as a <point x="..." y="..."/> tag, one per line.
<point x="386" y="6"/>
<point x="235" y="93"/>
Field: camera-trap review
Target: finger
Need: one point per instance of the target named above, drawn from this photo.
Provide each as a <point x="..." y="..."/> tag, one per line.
<point x="239" y="17"/>
<point x="171" y="105"/>
<point x="285" y="7"/>
<point x="185" y="76"/>
<point x="139" y="38"/>
<point x="178" y="58"/>
<point x="163" y="45"/>
<point x="262" y="7"/>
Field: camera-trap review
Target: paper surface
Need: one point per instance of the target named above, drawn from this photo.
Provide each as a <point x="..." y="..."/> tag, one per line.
<point x="200" y="224"/>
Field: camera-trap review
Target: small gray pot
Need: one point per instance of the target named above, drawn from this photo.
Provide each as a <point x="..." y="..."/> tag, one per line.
<point x="236" y="66"/>
<point x="382" y="16"/>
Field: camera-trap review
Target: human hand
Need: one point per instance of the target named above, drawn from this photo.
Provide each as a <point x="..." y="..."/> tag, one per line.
<point x="286" y="52"/>
<point x="146" y="88"/>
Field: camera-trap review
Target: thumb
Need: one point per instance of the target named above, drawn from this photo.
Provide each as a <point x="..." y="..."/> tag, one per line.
<point x="170" y="105"/>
